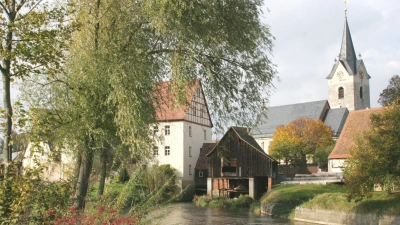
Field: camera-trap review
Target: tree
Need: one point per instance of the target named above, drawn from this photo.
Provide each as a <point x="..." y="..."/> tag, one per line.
<point x="299" y="138"/>
<point x="391" y="93"/>
<point x="375" y="158"/>
<point x="33" y="38"/>
<point x="124" y="48"/>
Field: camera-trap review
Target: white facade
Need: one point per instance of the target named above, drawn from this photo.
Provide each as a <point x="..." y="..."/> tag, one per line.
<point x="56" y="167"/>
<point x="264" y="143"/>
<point x="336" y="165"/>
<point x="180" y="149"/>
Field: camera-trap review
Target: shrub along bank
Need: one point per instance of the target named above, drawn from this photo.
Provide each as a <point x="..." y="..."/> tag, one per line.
<point x="329" y="197"/>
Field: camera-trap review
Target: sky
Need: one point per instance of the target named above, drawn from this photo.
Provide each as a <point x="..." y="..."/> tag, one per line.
<point x="308" y="35"/>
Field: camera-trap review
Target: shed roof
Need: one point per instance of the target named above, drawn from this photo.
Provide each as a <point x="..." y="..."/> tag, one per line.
<point x="357" y="122"/>
<point x="202" y="162"/>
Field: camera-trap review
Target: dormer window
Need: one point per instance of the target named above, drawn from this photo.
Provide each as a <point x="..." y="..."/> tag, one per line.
<point x="341" y="93"/>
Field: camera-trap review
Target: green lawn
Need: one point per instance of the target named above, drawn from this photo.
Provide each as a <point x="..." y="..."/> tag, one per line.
<point x="331" y="197"/>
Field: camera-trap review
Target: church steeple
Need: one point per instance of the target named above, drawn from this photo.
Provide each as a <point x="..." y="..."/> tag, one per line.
<point x="347" y="54"/>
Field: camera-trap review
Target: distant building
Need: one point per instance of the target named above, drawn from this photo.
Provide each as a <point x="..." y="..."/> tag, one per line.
<point x="181" y="131"/>
<point x="273" y="117"/>
<point x="356" y="124"/>
<point x="348" y="87"/>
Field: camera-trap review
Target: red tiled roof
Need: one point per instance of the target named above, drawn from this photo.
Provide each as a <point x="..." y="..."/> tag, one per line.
<point x="167" y="108"/>
<point x="356" y="124"/>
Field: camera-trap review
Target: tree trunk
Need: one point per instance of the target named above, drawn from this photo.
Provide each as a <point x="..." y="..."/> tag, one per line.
<point x="84" y="175"/>
<point x="6" y="74"/>
<point x="77" y="171"/>
<point x="103" y="171"/>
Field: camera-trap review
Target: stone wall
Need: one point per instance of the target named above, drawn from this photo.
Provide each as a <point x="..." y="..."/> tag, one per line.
<point x="335" y="218"/>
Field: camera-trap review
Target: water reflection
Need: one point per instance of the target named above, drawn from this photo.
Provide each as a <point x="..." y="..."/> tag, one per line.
<point x="189" y="214"/>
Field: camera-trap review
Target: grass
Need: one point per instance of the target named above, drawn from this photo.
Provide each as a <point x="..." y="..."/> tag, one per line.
<point x="331" y="197"/>
<point x="244" y="201"/>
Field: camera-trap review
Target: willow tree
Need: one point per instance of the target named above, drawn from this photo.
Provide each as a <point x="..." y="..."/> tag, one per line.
<point x="123" y="48"/>
<point x="33" y="36"/>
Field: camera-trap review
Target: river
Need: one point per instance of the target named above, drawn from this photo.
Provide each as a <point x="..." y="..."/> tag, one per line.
<point x="189" y="214"/>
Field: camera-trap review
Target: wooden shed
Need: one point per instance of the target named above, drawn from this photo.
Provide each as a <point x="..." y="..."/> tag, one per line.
<point x="238" y="165"/>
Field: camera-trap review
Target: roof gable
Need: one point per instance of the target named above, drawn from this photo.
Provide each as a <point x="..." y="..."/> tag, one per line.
<point x="195" y="108"/>
<point x="202" y="162"/>
<point x="356" y="124"/>
<point x="244" y="136"/>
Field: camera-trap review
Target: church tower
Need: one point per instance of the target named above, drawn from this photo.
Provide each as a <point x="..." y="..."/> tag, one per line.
<point x="348" y="81"/>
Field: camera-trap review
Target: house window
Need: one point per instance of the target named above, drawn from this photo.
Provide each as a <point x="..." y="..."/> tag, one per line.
<point x="361" y="92"/>
<point x="190" y="169"/>
<point x="205" y="135"/>
<point x="198" y="92"/>
<point x="200" y="174"/>
<point x="190" y="151"/>
<point x="155" y="130"/>
<point x="167" y="150"/>
<point x="190" y="131"/>
<point x="341" y="93"/>
<point x="194" y="110"/>
<point x="155" y="150"/>
<point x="167" y="131"/>
<point x="229" y="165"/>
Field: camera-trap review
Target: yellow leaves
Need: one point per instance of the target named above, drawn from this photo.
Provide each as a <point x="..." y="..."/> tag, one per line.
<point x="305" y="135"/>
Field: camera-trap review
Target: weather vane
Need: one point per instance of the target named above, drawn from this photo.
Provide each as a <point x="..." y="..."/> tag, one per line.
<point x="345" y="7"/>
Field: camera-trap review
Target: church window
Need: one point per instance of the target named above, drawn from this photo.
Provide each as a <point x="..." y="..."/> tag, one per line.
<point x="361" y="92"/>
<point x="341" y="92"/>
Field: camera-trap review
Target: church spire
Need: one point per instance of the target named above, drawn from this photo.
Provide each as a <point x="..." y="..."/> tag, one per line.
<point x="347" y="54"/>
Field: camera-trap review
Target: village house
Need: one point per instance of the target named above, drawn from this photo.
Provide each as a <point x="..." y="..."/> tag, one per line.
<point x="238" y="165"/>
<point x="356" y="124"/>
<point x="181" y="131"/>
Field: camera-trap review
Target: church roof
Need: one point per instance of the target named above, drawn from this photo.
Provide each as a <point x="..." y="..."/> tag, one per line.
<point x="273" y="117"/>
<point x="335" y="119"/>
<point x="347" y="54"/>
<point x="357" y="122"/>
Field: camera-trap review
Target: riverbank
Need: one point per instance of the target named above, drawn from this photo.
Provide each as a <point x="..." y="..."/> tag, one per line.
<point x="296" y="201"/>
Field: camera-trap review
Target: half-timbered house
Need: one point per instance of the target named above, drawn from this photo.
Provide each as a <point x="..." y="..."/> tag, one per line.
<point x="238" y="165"/>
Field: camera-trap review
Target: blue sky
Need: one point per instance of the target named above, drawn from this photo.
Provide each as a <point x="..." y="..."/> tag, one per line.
<point x="308" y="35"/>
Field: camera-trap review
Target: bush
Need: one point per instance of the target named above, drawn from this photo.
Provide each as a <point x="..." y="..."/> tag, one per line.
<point x="244" y="201"/>
<point x="102" y="216"/>
<point x="123" y="175"/>
<point x="26" y="199"/>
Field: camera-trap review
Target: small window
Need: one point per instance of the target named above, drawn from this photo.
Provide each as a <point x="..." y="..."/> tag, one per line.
<point x="201" y="113"/>
<point x="194" y="110"/>
<point x="167" y="150"/>
<point x="205" y="135"/>
<point x="200" y="174"/>
<point x="198" y="92"/>
<point x="155" y="150"/>
<point x="361" y="92"/>
<point x="190" y="151"/>
<point x="155" y="130"/>
<point x="190" y="169"/>
<point x="341" y="93"/>
<point x="167" y="131"/>
<point x="190" y="131"/>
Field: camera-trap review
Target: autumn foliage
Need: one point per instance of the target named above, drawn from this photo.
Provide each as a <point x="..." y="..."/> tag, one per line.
<point x="300" y="138"/>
